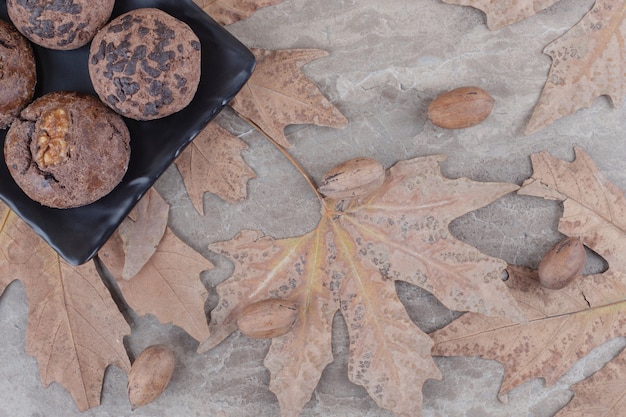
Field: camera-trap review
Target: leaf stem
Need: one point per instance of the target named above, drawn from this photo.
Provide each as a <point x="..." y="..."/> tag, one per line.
<point x="290" y="158"/>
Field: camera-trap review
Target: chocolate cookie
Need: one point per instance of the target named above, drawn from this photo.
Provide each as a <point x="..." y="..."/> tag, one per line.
<point x="145" y="64"/>
<point x="59" y="24"/>
<point x="18" y="74"/>
<point x="67" y="150"/>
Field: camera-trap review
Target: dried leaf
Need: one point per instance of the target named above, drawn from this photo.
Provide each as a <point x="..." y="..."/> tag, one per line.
<point x="594" y="208"/>
<point x="5" y="280"/>
<point x="279" y="94"/>
<point x="349" y="263"/>
<point x="168" y="286"/>
<point x="562" y="328"/>
<point x="501" y="13"/>
<point x="588" y="61"/>
<point x="142" y="231"/>
<point x="564" y="325"/>
<point x="74" y="328"/>
<point x="213" y="163"/>
<point x="602" y="394"/>
<point x="226" y="12"/>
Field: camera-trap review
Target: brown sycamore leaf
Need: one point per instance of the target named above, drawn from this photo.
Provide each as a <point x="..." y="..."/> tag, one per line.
<point x="349" y="263"/>
<point x="279" y="94"/>
<point x="142" y="231"/>
<point x="587" y="62"/>
<point x="213" y="163"/>
<point x="594" y="208"/>
<point x="563" y="325"/>
<point x="226" y="12"/>
<point x="501" y="13"/>
<point x="602" y="394"/>
<point x="5" y="280"/>
<point x="168" y="286"/>
<point x="74" y="328"/>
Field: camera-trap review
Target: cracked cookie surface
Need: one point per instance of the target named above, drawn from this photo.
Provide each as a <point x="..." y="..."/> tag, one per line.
<point x="145" y="64"/>
<point x="18" y="74"/>
<point x="67" y="150"/>
<point x="62" y="25"/>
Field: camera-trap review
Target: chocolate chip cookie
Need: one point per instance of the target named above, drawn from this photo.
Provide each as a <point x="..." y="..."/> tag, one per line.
<point x="67" y="149"/>
<point x="145" y="64"/>
<point x="64" y="24"/>
<point x="18" y="74"/>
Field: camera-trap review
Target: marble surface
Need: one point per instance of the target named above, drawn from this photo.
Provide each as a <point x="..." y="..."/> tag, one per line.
<point x="387" y="60"/>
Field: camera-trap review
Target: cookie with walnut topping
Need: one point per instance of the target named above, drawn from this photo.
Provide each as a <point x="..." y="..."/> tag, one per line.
<point x="145" y="64"/>
<point x="62" y="25"/>
<point x="67" y="149"/>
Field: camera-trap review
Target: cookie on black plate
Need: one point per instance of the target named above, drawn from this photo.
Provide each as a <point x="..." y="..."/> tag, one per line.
<point x="145" y="64"/>
<point x="64" y="25"/>
<point x="18" y="74"/>
<point x="67" y="150"/>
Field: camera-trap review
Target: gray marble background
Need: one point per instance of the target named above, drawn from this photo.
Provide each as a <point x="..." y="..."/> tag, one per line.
<point x="387" y="60"/>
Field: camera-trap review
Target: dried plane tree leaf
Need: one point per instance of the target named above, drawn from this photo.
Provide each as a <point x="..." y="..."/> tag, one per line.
<point x="594" y="208"/>
<point x="74" y="328"/>
<point x="213" y="163"/>
<point x="226" y="12"/>
<point x="156" y="272"/>
<point x="601" y="395"/>
<point x="588" y="61"/>
<point x="563" y="325"/>
<point x="5" y="280"/>
<point x="349" y="263"/>
<point x="142" y="231"/>
<point x="279" y="94"/>
<point x="562" y="328"/>
<point x="501" y="13"/>
<point x="168" y="286"/>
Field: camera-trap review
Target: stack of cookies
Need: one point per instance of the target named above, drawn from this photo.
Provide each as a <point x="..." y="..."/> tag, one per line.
<point x="68" y="149"/>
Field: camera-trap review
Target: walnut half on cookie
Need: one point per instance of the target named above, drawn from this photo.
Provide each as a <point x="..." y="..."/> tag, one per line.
<point x="67" y="150"/>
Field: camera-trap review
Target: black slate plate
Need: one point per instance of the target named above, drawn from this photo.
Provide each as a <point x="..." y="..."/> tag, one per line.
<point x="77" y="234"/>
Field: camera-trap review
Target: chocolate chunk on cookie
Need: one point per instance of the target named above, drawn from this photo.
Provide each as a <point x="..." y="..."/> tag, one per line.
<point x="145" y="64"/>
<point x="59" y="24"/>
<point x="67" y="150"/>
<point x="18" y="74"/>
